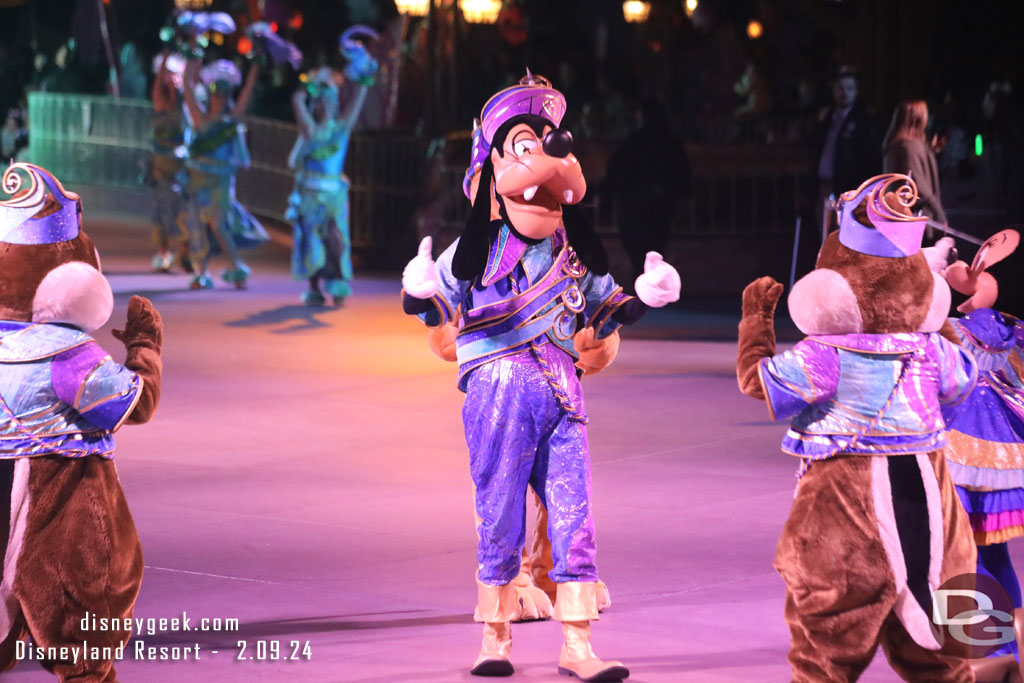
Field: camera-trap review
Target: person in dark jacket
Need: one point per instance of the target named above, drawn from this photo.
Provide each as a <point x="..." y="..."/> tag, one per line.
<point x="647" y="176"/>
<point x="846" y="143"/>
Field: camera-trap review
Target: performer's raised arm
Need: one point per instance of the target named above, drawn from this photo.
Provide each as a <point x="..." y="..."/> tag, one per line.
<point x="242" y="103"/>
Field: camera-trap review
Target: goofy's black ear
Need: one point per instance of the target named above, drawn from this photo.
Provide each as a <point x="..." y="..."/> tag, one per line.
<point x="474" y="245"/>
<point x="584" y="241"/>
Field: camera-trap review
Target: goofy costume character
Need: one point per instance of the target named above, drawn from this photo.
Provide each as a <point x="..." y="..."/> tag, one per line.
<point x="525" y="275"/>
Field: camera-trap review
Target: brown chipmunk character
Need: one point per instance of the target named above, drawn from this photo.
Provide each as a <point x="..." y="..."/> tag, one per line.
<point x="67" y="540"/>
<point x="876" y="526"/>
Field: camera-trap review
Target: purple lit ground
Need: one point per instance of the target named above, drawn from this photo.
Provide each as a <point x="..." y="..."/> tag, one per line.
<point x="306" y="474"/>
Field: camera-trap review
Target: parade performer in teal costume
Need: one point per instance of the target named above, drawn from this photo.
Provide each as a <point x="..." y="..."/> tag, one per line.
<point x="216" y="152"/>
<point x="167" y="170"/>
<point x="318" y="206"/>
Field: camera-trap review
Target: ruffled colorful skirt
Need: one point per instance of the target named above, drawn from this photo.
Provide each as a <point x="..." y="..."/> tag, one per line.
<point x="213" y="199"/>
<point x="321" y="246"/>
<point x="985" y="454"/>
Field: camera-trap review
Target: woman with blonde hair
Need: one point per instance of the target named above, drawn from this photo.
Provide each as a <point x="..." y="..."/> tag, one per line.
<point x="905" y="149"/>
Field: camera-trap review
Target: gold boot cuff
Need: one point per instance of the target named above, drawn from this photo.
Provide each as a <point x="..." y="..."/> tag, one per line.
<point x="495" y="604"/>
<point x="576" y="601"/>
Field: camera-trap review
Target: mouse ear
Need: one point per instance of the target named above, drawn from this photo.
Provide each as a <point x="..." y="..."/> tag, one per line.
<point x="995" y="249"/>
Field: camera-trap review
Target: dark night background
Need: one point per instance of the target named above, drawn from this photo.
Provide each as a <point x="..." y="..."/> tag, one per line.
<point x="901" y="49"/>
<point x="965" y="58"/>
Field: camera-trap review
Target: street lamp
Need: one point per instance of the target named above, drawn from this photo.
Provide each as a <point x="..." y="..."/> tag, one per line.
<point x="480" y="11"/>
<point x="413" y="8"/>
<point x="636" y="11"/>
<point x="689" y="6"/>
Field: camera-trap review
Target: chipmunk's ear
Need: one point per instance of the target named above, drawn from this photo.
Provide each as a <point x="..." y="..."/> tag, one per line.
<point x="938" y="310"/>
<point x="49" y="268"/>
<point x="822" y="302"/>
<point x="75" y="294"/>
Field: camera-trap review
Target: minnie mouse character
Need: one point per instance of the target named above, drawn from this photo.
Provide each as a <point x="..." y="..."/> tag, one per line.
<point x="985" y="434"/>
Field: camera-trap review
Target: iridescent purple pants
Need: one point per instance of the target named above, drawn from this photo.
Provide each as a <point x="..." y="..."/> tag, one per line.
<point x="518" y="435"/>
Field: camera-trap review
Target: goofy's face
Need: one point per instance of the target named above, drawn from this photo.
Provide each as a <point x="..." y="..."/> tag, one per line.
<point x="522" y="171"/>
<point x="535" y="173"/>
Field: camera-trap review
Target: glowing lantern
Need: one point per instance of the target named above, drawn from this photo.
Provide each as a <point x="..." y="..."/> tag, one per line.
<point x="244" y="46"/>
<point x="689" y="6"/>
<point x="414" y="8"/>
<point x="192" y="4"/>
<point x="636" y="11"/>
<point x="480" y="11"/>
<point x="754" y="29"/>
<point x="296" y="21"/>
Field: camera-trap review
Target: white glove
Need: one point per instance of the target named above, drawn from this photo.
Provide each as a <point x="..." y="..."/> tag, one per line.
<point x="938" y="255"/>
<point x="659" y="284"/>
<point x="419" y="279"/>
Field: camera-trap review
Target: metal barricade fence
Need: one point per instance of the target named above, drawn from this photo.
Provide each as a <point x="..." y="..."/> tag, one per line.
<point x="97" y="140"/>
<point x="90" y="139"/>
<point x="737" y="189"/>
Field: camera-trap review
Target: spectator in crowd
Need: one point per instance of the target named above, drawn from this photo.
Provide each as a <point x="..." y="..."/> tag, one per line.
<point x="647" y="176"/>
<point x="13" y="136"/>
<point x="906" y="150"/>
<point x="846" y="142"/>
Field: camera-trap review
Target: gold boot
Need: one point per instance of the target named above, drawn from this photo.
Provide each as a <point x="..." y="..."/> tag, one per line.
<point x="496" y="607"/>
<point x="576" y="607"/>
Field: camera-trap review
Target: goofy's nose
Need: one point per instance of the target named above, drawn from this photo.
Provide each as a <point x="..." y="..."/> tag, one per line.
<point x="558" y="143"/>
